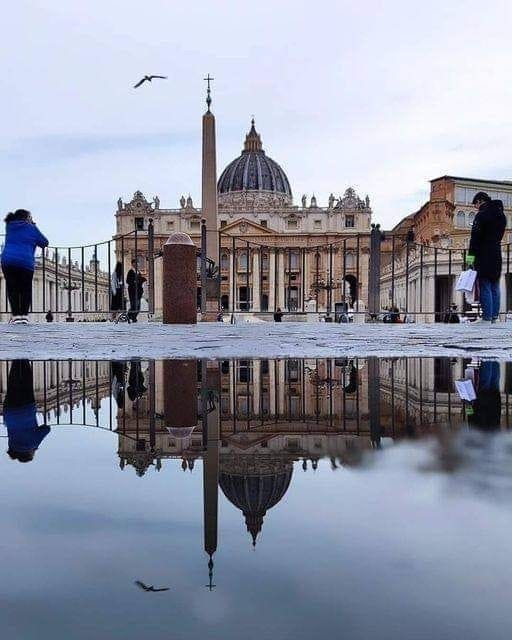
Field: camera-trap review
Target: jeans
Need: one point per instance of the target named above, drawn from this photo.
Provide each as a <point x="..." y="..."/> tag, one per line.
<point x="19" y="289"/>
<point x="489" y="376"/>
<point x="489" y="298"/>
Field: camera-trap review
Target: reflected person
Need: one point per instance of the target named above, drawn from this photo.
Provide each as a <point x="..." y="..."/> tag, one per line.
<point x="485" y="411"/>
<point x="23" y="432"/>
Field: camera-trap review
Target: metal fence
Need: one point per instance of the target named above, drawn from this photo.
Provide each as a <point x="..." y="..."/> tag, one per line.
<point x="76" y="280"/>
<point x="326" y="278"/>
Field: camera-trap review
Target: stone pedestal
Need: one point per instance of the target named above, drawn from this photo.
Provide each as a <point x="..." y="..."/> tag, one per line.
<point x="180" y="394"/>
<point x="179" y="283"/>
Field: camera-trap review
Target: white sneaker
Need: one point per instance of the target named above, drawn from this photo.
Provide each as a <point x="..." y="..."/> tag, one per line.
<point x="15" y="320"/>
<point x="23" y="320"/>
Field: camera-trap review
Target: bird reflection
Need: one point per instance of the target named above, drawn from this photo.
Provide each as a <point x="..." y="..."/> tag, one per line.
<point x="152" y="589"/>
<point x="24" y="434"/>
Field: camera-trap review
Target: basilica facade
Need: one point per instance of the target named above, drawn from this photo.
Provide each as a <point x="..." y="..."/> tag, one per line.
<point x="273" y="252"/>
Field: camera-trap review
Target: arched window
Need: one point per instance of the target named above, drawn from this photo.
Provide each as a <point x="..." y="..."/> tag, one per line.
<point x="224" y="261"/>
<point x="461" y="219"/>
<point x="350" y="261"/>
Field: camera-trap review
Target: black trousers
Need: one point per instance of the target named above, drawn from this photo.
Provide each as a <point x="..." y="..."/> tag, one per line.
<point x="20" y="385"/>
<point x="134" y="304"/>
<point x="19" y="289"/>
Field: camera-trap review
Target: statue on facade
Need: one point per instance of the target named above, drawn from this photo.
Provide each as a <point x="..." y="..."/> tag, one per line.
<point x="331" y="201"/>
<point x="367" y="201"/>
<point x="190" y="204"/>
<point x="156" y="200"/>
<point x="313" y="202"/>
<point x="119" y="204"/>
<point x="182" y="202"/>
<point x="304" y="200"/>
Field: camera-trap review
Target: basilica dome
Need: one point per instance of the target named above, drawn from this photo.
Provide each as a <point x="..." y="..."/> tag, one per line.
<point x="254" y="485"/>
<point x="255" y="174"/>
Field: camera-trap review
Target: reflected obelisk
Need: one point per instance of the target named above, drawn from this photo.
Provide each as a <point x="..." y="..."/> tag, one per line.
<point x="211" y="439"/>
<point x="209" y="205"/>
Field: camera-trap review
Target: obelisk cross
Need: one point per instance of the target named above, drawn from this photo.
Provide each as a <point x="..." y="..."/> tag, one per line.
<point x="208" y="91"/>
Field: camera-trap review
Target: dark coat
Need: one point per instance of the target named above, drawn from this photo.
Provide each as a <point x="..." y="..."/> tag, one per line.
<point x="486" y="235"/>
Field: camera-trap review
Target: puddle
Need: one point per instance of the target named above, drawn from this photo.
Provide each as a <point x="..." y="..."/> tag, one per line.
<point x="255" y="498"/>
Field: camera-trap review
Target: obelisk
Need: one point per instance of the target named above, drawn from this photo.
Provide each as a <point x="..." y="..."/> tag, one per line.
<point x="209" y="203"/>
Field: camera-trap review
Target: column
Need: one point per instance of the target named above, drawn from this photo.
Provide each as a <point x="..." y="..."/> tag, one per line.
<point x="280" y="280"/>
<point x="256" y="289"/>
<point x="232" y="296"/>
<point x="272" y="280"/>
<point x="306" y="278"/>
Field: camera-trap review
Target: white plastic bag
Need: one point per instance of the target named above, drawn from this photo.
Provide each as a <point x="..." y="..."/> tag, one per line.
<point x="466" y="281"/>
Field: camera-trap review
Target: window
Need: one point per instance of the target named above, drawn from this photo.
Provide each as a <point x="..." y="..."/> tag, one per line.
<point x="349" y="222"/>
<point x="195" y="225"/>
<point x="460" y="195"/>
<point x="292" y="370"/>
<point x="318" y="224"/>
<point x="264" y="223"/>
<point x="170" y="226"/>
<point x="223" y="223"/>
<point x="139" y="224"/>
<point x="461" y="219"/>
<point x="293" y="260"/>
<point x="243" y="261"/>
<point x="224" y="261"/>
<point x="244" y="371"/>
<point x="292" y="224"/>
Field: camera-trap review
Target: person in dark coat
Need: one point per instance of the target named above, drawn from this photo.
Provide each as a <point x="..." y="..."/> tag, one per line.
<point x="485" y="253"/>
<point x="116" y="291"/>
<point x="278" y="315"/>
<point x="18" y="262"/>
<point x="485" y="411"/>
<point x="23" y="432"/>
<point x="135" y="281"/>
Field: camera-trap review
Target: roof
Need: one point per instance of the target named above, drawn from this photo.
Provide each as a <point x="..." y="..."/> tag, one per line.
<point x="472" y="180"/>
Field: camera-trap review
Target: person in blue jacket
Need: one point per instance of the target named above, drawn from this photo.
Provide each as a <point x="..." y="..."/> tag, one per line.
<point x="18" y="262"/>
<point x="23" y="432"/>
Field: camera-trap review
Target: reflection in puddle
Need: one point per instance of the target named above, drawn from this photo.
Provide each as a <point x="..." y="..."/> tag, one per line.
<point x="248" y="425"/>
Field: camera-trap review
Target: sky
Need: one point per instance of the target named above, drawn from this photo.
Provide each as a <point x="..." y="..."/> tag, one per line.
<point x="381" y="96"/>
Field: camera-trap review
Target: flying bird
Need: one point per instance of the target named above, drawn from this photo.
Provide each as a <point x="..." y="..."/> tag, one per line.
<point x="148" y="79"/>
<point x="145" y="587"/>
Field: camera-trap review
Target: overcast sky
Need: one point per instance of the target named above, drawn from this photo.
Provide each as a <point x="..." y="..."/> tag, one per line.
<point x="382" y="96"/>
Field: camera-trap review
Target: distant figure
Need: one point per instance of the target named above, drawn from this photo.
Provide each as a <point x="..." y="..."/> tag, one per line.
<point x="485" y="253"/>
<point x="49" y="316"/>
<point x="18" y="262"/>
<point x="135" y="281"/>
<point x="278" y="315"/>
<point x="147" y="79"/>
<point x="116" y="291"/>
<point x="220" y="317"/>
<point x="23" y="432"/>
<point x="451" y="316"/>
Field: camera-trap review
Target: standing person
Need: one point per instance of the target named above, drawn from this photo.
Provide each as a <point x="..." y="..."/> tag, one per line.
<point x="23" y="432"/>
<point x="49" y="316"/>
<point x="485" y="412"/>
<point x="485" y="253"/>
<point x="18" y="262"/>
<point x="278" y="315"/>
<point x="135" y="281"/>
<point x="116" y="291"/>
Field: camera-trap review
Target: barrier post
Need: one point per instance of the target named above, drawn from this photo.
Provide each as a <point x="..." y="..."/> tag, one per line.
<point x="179" y="286"/>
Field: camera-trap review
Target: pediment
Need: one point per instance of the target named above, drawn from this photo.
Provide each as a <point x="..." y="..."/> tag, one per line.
<point x="244" y="227"/>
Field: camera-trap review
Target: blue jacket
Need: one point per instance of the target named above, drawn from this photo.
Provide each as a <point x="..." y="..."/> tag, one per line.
<point x="22" y="429"/>
<point x="21" y="241"/>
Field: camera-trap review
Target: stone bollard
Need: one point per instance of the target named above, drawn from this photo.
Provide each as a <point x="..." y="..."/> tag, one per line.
<point x="179" y="295"/>
<point x="180" y="396"/>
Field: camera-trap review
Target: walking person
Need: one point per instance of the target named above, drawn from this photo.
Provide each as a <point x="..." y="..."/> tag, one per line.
<point x="135" y="281"/>
<point x="485" y="253"/>
<point x="116" y="291"/>
<point x="23" y="432"/>
<point x="18" y="262"/>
